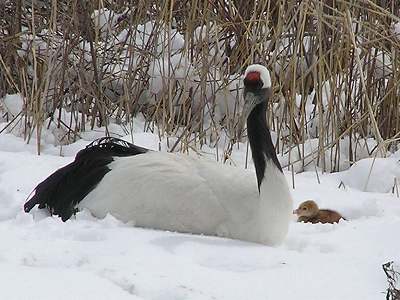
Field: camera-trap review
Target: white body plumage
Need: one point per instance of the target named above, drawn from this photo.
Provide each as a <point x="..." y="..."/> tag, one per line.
<point x="185" y="194"/>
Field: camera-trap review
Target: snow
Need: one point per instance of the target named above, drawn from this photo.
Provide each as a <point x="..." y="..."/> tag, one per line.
<point x="12" y="104"/>
<point x="374" y="175"/>
<point x="396" y="28"/>
<point x="85" y="257"/>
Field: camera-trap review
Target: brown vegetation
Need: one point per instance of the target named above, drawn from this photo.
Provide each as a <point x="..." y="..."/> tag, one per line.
<point x="308" y="44"/>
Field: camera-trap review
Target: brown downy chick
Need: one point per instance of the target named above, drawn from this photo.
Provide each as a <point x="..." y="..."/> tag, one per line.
<point x="308" y="212"/>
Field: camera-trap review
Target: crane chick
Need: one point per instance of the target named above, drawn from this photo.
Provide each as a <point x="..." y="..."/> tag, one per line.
<point x="309" y="212"/>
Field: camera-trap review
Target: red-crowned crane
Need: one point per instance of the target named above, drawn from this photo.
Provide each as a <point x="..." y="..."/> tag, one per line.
<point x="176" y="192"/>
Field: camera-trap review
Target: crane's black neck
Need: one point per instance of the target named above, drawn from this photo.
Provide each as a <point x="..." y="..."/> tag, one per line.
<point x="261" y="145"/>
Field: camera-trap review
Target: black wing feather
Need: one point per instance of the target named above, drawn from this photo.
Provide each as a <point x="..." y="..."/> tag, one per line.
<point x="66" y="187"/>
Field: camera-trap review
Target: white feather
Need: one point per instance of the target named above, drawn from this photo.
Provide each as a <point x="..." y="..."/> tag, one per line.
<point x="185" y="194"/>
<point x="276" y="205"/>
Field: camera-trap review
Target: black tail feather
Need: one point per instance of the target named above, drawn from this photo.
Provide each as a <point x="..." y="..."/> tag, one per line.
<point x="66" y="187"/>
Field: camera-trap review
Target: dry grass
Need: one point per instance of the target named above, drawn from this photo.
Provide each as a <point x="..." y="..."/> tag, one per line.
<point x="393" y="293"/>
<point x="308" y="45"/>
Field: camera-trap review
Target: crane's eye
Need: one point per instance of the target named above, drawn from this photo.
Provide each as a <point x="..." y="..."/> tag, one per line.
<point x="304" y="208"/>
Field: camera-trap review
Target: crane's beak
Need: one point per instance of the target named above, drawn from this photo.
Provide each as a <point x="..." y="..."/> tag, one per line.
<point x="250" y="101"/>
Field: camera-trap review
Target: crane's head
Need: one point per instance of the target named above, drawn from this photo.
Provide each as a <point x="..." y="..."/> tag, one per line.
<point x="257" y="88"/>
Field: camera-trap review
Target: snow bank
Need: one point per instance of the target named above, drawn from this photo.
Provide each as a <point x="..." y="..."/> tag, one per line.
<point x="12" y="105"/>
<point x="374" y="175"/>
<point x="40" y="256"/>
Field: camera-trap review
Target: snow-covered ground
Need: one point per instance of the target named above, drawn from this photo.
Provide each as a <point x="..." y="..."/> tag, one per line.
<point x="86" y="258"/>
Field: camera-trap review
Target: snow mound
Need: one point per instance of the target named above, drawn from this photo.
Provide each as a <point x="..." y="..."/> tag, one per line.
<point x="13" y="104"/>
<point x="373" y="175"/>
